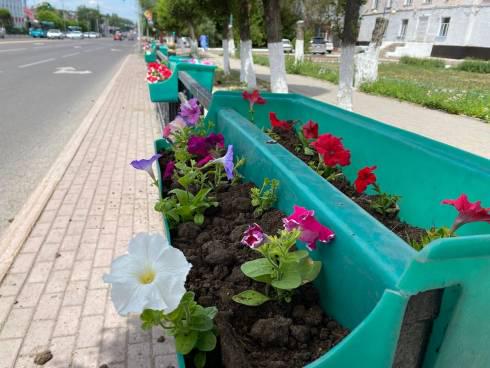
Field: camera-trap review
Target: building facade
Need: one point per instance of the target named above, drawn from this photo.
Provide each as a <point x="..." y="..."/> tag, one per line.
<point x="16" y="8"/>
<point x="455" y="28"/>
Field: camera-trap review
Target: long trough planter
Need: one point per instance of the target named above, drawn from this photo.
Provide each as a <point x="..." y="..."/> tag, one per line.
<point x="404" y="308"/>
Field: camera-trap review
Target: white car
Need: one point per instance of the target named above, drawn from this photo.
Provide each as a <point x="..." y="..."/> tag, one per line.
<point x="287" y="46"/>
<point x="93" y="35"/>
<point x="55" y="33"/>
<point x="318" y="45"/>
<point x="74" y="35"/>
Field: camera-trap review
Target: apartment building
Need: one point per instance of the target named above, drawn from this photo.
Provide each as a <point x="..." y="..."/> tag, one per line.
<point x="444" y="28"/>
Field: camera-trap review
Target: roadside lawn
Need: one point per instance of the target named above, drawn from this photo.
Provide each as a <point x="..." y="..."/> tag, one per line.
<point x="451" y="90"/>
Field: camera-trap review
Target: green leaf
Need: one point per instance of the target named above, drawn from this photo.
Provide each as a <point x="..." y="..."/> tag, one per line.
<point x="150" y="318"/>
<point x="200" y="359"/>
<point x="257" y="268"/>
<point x="185" y="342"/>
<point x="199" y="218"/>
<point x="206" y="341"/>
<point x="309" y="269"/>
<point x="251" y="298"/>
<point x="298" y="255"/>
<point x="211" y="312"/>
<point x="200" y="322"/>
<point x="290" y="280"/>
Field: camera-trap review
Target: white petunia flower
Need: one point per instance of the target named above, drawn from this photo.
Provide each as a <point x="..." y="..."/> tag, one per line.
<point x="151" y="276"/>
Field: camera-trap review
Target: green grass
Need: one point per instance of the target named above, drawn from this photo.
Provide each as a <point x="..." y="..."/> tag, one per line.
<point x="454" y="91"/>
<point x="475" y="66"/>
<point x="426" y="63"/>
<point x="420" y="81"/>
<point x="307" y="68"/>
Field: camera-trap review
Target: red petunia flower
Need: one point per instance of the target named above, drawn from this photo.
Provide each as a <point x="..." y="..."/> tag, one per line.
<point x="468" y="212"/>
<point x="253" y="98"/>
<point x="310" y="130"/>
<point x="365" y="177"/>
<point x="276" y="123"/>
<point x="332" y="150"/>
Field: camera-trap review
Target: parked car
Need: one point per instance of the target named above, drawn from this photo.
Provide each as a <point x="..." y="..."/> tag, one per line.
<point x="2" y="32"/>
<point x="55" y="33"/>
<point x="86" y="34"/>
<point x="131" y="36"/>
<point x="318" y="45"/>
<point x="75" y="35"/>
<point x="287" y="46"/>
<point x="117" y="36"/>
<point x="93" y="35"/>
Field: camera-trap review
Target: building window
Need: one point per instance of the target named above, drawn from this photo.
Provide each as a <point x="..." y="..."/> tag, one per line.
<point x="427" y="2"/>
<point x="375" y="4"/>
<point x="444" y="26"/>
<point x="388" y="3"/>
<point x="403" y="29"/>
<point x="407" y="2"/>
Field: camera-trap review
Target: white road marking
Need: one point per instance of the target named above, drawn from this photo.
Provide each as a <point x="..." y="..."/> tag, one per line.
<point x="115" y="50"/>
<point x="73" y="54"/>
<point x="38" y="43"/>
<point x="36" y="63"/>
<point x="19" y="49"/>
<point x="77" y="47"/>
<point x="70" y="70"/>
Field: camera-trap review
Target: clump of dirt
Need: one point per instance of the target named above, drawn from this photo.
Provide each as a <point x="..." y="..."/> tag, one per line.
<point x="407" y="232"/>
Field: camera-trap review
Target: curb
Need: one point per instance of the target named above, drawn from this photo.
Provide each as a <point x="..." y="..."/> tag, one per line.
<point x="18" y="231"/>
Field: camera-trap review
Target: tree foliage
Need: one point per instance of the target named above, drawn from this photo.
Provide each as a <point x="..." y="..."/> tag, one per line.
<point x="5" y="17"/>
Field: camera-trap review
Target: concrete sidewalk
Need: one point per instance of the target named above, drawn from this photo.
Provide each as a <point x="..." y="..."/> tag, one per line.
<point x="53" y="296"/>
<point x="463" y="132"/>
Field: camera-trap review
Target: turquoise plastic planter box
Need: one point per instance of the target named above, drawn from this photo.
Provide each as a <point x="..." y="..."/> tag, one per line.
<point x="150" y="58"/>
<point x="369" y="273"/>
<point x="167" y="91"/>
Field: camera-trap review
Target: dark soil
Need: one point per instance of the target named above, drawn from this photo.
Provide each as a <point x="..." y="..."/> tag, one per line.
<point x="407" y="232"/>
<point x="277" y="335"/>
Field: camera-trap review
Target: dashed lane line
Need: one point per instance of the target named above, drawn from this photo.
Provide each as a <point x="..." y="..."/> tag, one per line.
<point x="36" y="63"/>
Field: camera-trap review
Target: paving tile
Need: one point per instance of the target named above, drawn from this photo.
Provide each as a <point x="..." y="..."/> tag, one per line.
<point x="17" y="323"/>
<point x="58" y="281"/>
<point x="29" y="295"/>
<point x="48" y="306"/>
<point x="12" y="284"/>
<point x="95" y="302"/>
<point x="114" y="346"/>
<point x="96" y="281"/>
<point x="22" y="263"/>
<point x="61" y="348"/>
<point x="32" y="244"/>
<point x="85" y="358"/>
<point x="103" y="258"/>
<point x="90" y="333"/>
<point x="6" y="303"/>
<point x="138" y="355"/>
<point x="75" y="292"/>
<point x="166" y="361"/>
<point x="64" y="260"/>
<point x="68" y="321"/>
<point x="37" y="338"/>
<point x="8" y="352"/>
<point x="40" y="271"/>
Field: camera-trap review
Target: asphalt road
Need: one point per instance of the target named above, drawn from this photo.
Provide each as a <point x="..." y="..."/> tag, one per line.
<point x="46" y="89"/>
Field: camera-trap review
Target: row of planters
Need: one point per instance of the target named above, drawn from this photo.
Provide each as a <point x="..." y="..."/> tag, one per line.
<point x="251" y="196"/>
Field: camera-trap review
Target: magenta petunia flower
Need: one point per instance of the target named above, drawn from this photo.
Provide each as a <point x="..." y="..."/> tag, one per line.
<point x="468" y="212"/>
<point x="197" y="145"/>
<point x="146" y="164"/>
<point x="203" y="161"/>
<point x="169" y="170"/>
<point x="190" y="111"/>
<point x="311" y="230"/>
<point x="253" y="237"/>
<point x="227" y="162"/>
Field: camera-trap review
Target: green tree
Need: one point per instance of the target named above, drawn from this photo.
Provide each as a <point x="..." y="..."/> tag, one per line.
<point x="89" y="18"/>
<point x="5" y="18"/>
<point x="45" y="15"/>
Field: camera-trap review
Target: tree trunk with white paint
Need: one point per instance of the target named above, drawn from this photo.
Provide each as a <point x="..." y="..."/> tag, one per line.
<point x="226" y="57"/>
<point x="247" y="69"/>
<point x="346" y="68"/>
<point x="299" y="47"/>
<point x="274" y="44"/>
<point x="367" y="62"/>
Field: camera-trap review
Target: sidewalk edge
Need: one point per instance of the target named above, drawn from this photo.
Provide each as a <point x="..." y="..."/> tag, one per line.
<point x="18" y="231"/>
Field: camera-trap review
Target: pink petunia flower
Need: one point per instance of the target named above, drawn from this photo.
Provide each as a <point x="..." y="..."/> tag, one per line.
<point x="253" y="237"/>
<point x="311" y="230"/>
<point x="468" y="212"/>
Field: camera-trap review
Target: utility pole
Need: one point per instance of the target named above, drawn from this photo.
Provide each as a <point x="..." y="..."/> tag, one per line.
<point x="63" y="14"/>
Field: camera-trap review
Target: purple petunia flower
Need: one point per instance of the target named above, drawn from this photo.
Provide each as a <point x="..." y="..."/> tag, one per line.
<point x="227" y="162"/>
<point x="253" y="237"/>
<point x="146" y="164"/>
<point x="190" y="111"/>
<point x="169" y="170"/>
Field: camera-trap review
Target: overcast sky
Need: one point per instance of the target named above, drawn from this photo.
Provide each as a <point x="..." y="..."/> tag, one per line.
<point x="124" y="8"/>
